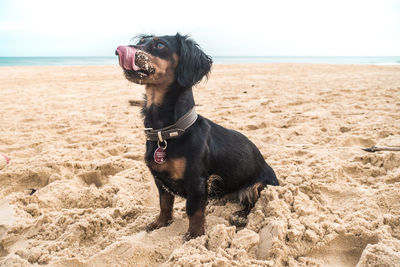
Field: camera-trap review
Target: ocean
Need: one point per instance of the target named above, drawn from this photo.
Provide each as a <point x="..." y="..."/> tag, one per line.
<point x="76" y="61"/>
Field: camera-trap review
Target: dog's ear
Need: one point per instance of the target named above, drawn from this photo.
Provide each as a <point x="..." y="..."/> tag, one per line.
<point x="193" y="64"/>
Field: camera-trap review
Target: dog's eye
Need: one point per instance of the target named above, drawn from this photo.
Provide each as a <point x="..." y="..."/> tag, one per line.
<point x="160" y="45"/>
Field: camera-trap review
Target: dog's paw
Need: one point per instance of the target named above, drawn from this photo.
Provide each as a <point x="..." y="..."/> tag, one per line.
<point x="157" y="224"/>
<point x="239" y="218"/>
<point x="188" y="235"/>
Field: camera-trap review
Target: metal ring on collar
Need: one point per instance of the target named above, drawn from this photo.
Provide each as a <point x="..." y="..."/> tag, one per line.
<point x="165" y="142"/>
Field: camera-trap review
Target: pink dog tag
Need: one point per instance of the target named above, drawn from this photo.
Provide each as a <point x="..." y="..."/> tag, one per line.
<point x="160" y="155"/>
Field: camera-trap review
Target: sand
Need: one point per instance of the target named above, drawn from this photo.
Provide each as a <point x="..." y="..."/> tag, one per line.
<point x="72" y="136"/>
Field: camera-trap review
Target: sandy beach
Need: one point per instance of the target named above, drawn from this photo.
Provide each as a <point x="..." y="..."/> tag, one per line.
<point x="77" y="191"/>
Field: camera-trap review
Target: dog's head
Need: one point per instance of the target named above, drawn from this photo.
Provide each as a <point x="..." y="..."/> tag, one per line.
<point x="163" y="60"/>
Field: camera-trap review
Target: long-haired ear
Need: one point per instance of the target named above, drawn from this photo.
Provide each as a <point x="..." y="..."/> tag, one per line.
<point x="193" y="64"/>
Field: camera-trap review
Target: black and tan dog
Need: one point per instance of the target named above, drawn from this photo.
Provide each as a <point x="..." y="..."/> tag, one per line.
<point x="184" y="149"/>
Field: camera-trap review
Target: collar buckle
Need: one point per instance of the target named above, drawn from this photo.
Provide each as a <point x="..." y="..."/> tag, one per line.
<point x="174" y="130"/>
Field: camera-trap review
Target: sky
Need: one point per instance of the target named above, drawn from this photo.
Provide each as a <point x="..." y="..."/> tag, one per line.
<point x="222" y="28"/>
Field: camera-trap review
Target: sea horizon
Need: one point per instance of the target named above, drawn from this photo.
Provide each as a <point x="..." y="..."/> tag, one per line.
<point x="112" y="60"/>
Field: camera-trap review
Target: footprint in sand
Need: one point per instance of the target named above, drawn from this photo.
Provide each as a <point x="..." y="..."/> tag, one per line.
<point x="358" y="141"/>
<point x="343" y="250"/>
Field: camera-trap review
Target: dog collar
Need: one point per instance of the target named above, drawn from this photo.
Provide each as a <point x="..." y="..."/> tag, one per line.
<point x="172" y="131"/>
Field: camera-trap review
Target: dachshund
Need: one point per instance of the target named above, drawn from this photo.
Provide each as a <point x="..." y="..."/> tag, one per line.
<point x="189" y="155"/>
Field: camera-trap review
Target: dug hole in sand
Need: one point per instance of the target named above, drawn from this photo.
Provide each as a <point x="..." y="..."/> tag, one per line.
<point x="73" y="136"/>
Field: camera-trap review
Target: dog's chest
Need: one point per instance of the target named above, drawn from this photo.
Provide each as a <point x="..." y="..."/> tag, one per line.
<point x="170" y="174"/>
<point x="174" y="168"/>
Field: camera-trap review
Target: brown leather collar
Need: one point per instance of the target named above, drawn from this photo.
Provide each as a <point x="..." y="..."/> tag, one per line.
<point x="174" y="130"/>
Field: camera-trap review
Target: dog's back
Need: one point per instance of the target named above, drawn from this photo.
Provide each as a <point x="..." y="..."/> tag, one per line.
<point x="235" y="159"/>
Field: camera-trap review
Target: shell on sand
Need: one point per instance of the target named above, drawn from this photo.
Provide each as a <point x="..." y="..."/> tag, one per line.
<point x="4" y="160"/>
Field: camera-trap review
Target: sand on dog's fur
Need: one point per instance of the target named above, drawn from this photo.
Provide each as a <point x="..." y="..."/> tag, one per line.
<point x="71" y="134"/>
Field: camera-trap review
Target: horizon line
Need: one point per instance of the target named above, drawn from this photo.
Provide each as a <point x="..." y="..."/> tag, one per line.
<point x="211" y="56"/>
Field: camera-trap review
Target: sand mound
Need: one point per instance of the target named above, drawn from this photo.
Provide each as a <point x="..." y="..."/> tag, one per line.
<point x="77" y="192"/>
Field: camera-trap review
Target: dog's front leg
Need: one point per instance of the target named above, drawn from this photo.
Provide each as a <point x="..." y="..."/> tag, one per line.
<point x="195" y="206"/>
<point x="166" y="208"/>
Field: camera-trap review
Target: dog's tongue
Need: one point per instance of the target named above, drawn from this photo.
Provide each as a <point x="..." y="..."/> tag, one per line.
<point x="126" y="55"/>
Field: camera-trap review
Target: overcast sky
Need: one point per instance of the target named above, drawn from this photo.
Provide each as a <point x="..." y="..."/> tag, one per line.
<point x="222" y="28"/>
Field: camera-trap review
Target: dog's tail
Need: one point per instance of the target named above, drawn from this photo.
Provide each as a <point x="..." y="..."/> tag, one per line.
<point x="249" y="195"/>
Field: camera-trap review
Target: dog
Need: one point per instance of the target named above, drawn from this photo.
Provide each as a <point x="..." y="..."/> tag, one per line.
<point x="184" y="149"/>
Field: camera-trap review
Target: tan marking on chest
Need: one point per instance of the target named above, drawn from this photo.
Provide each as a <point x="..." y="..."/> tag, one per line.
<point x="154" y="95"/>
<point x="164" y="75"/>
<point x="174" y="167"/>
